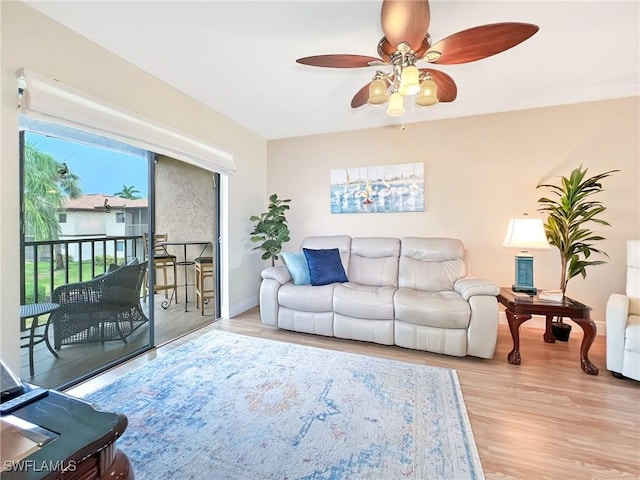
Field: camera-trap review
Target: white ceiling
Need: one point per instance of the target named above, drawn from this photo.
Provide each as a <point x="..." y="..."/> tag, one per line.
<point x="238" y="57"/>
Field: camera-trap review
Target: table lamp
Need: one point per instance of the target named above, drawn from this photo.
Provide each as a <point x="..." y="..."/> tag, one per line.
<point x="525" y="233"/>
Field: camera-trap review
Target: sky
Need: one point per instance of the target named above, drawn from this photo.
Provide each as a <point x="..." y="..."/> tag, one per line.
<point x="100" y="171"/>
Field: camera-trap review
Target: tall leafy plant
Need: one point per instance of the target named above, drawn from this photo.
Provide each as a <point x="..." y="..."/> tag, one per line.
<point x="47" y="183"/>
<point x="570" y="212"/>
<point x="271" y="229"/>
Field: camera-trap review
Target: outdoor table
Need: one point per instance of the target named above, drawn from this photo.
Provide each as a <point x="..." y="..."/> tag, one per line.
<point x="34" y="310"/>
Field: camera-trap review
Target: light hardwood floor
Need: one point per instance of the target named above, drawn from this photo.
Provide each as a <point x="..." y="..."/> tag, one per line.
<point x="544" y="419"/>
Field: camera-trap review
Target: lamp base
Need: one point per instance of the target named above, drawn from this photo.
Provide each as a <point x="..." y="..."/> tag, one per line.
<point x="525" y="289"/>
<point x="524" y="274"/>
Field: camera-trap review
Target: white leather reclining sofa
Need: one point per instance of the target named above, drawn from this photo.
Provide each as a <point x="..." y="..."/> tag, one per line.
<point x="412" y="292"/>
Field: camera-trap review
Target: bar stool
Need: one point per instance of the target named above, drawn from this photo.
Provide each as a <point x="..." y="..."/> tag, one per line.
<point x="163" y="262"/>
<point x="204" y="270"/>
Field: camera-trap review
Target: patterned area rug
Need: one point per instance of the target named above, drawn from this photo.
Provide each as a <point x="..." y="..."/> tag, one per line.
<point x="227" y="406"/>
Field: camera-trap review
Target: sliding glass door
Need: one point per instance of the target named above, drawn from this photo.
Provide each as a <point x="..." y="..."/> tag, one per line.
<point x="85" y="208"/>
<point x="90" y="291"/>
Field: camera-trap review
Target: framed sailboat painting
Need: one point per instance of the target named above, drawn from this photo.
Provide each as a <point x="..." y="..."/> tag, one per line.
<point x="382" y="189"/>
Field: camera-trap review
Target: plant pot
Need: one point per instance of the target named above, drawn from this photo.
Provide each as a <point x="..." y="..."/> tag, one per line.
<point x="561" y="331"/>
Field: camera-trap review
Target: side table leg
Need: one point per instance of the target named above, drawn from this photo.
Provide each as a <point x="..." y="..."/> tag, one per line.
<point x="589" y="329"/>
<point x="514" y="327"/>
<point x="548" y="335"/>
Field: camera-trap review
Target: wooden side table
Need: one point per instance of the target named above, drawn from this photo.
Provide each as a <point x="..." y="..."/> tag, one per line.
<point x="519" y="310"/>
<point x="85" y="447"/>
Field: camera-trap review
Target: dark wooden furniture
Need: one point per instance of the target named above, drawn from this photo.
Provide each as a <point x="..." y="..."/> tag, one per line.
<point x="85" y="448"/>
<point x="519" y="310"/>
<point x="33" y="311"/>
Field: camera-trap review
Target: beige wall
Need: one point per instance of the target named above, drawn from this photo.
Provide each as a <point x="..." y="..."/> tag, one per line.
<point x="185" y="209"/>
<point x="31" y="40"/>
<point x="480" y="171"/>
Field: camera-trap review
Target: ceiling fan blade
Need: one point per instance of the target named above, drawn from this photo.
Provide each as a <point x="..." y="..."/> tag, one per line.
<point x="405" y="21"/>
<point x="447" y="89"/>
<point x="479" y="42"/>
<point x="385" y="49"/>
<point x="340" y="61"/>
<point x="361" y="96"/>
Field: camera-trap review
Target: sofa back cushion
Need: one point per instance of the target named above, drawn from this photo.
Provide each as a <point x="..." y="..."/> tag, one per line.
<point x="633" y="276"/>
<point x="430" y="264"/>
<point x="374" y="261"/>
<point x="341" y="242"/>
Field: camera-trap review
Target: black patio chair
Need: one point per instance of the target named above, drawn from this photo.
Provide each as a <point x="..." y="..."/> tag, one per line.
<point x="99" y="310"/>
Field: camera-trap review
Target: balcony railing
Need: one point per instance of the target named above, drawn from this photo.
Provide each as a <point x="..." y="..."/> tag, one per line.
<point x="49" y="264"/>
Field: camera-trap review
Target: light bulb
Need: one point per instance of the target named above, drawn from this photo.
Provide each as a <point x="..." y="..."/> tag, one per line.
<point x="409" y="81"/>
<point x="377" y="92"/>
<point x="396" y="107"/>
<point x="428" y="93"/>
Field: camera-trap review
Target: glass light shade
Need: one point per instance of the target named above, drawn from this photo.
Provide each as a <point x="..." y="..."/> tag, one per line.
<point x="428" y="93"/>
<point x="396" y="107"/>
<point x="377" y="92"/>
<point x="409" y="82"/>
<point x="526" y="233"/>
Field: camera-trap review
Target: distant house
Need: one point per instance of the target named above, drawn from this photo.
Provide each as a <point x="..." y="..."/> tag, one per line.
<point x="102" y="216"/>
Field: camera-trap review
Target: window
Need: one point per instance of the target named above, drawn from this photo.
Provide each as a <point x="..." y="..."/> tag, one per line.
<point x="119" y="217"/>
<point x="62" y="218"/>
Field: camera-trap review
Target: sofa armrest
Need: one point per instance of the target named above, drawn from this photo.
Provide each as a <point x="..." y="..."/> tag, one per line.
<point x="470" y="286"/>
<point x="617" y="315"/>
<point x="279" y="273"/>
<point x="272" y="279"/>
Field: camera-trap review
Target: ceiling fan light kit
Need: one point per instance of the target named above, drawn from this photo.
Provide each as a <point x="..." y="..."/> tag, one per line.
<point x="428" y="92"/>
<point x="409" y="81"/>
<point x="406" y="41"/>
<point x="377" y="92"/>
<point x="396" y="105"/>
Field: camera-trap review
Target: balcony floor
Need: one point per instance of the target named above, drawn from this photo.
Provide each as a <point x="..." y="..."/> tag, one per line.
<point x="78" y="360"/>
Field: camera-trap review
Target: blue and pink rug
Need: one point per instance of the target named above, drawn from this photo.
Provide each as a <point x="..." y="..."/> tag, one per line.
<point x="227" y="406"/>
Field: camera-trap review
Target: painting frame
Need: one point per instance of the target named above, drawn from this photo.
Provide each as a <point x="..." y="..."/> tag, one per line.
<point x="393" y="188"/>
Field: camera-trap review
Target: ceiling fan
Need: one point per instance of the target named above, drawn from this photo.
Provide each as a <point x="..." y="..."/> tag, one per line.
<point x="406" y="41"/>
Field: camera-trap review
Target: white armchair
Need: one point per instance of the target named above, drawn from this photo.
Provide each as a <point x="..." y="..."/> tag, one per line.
<point x="623" y="321"/>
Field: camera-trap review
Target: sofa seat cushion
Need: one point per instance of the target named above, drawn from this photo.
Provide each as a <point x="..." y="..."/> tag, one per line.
<point x="306" y="298"/>
<point x="364" y="301"/>
<point x="445" y="309"/>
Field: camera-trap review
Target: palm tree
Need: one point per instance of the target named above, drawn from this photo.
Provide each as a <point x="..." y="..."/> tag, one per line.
<point x="47" y="182"/>
<point x="128" y="193"/>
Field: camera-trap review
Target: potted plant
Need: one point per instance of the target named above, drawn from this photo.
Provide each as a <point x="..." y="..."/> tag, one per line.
<point x="570" y="212"/>
<point x="272" y="229"/>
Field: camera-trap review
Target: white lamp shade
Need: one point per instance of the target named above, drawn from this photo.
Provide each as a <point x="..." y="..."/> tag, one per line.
<point x="526" y="233"/>
<point x="428" y="93"/>
<point x="377" y="92"/>
<point x="410" y="82"/>
<point x="396" y="107"/>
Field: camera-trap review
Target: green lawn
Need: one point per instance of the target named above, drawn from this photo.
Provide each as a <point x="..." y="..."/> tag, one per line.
<point x="45" y="289"/>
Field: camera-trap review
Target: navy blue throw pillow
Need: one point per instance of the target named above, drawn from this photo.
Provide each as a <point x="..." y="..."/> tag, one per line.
<point x="325" y="266"/>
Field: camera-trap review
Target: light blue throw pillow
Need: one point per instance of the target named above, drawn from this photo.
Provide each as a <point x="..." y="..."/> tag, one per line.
<point x="298" y="267"/>
<point x="325" y="266"/>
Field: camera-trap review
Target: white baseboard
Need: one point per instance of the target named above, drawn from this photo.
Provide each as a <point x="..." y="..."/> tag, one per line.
<point x="238" y="308"/>
<point x="538" y="322"/>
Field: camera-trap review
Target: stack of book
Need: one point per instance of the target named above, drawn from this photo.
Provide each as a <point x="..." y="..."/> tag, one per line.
<point x="522" y="297"/>
<point x="551" y="295"/>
